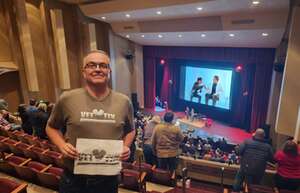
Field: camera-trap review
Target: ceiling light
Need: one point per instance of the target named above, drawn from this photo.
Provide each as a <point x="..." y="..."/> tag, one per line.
<point x="180" y="36"/>
<point x="203" y="35"/>
<point x="127" y="15"/>
<point x="103" y="18"/>
<point x="255" y="2"/>
<point x="127" y="36"/>
<point x="160" y="36"/>
<point x="264" y="34"/>
<point x="231" y="35"/>
<point x="158" y="12"/>
<point x="142" y="36"/>
<point x="199" y="8"/>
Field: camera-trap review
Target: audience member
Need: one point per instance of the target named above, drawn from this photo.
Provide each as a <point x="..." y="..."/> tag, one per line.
<point x="147" y="147"/>
<point x="254" y="153"/>
<point x="40" y="121"/>
<point x="166" y="139"/>
<point x="25" y="118"/>
<point x="288" y="167"/>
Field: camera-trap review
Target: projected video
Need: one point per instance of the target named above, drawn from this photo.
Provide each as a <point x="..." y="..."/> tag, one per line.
<point x="206" y="86"/>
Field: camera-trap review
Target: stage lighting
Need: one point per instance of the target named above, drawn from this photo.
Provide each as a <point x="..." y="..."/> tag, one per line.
<point x="239" y="68"/>
<point x="162" y="61"/>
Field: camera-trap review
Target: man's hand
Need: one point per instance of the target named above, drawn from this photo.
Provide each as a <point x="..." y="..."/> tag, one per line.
<point x="125" y="154"/>
<point x="68" y="150"/>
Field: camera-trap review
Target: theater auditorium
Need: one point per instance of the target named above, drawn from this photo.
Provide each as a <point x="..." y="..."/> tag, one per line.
<point x="150" y="96"/>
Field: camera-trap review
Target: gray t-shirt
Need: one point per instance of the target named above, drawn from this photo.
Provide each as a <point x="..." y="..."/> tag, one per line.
<point x="84" y="116"/>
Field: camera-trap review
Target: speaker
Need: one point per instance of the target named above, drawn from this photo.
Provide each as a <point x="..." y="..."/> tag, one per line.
<point x="266" y="128"/>
<point x="278" y="67"/>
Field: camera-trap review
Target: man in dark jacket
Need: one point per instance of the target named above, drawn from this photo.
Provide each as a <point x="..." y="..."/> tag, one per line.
<point x="255" y="153"/>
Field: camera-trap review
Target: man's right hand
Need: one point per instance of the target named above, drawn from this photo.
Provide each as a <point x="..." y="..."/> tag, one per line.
<point x="68" y="150"/>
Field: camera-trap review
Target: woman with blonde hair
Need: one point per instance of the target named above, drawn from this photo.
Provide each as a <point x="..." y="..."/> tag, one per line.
<point x="40" y="121"/>
<point x="147" y="147"/>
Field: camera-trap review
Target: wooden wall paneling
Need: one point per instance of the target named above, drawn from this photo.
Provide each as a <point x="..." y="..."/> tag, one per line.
<point x="50" y="47"/>
<point x="102" y="36"/>
<point x="26" y="45"/>
<point x="5" y="50"/>
<point x="15" y="45"/>
<point x="41" y="55"/>
<point x="73" y="42"/>
<point x="92" y="35"/>
<point x="60" y="48"/>
<point x="10" y="90"/>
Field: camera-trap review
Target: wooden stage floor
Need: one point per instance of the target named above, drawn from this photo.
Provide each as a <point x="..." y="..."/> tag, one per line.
<point x="233" y="135"/>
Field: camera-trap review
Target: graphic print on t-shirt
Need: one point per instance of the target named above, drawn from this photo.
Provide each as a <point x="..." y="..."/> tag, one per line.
<point x="97" y="116"/>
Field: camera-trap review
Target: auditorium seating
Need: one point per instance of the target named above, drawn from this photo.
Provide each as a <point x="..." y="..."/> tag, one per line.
<point x="133" y="180"/>
<point x="163" y="177"/>
<point x="50" y="176"/>
<point x="9" y="186"/>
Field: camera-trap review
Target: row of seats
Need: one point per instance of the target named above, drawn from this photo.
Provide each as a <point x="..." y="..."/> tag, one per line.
<point x="46" y="156"/>
<point x="10" y="186"/>
<point x="134" y="176"/>
<point x="33" y="171"/>
<point x="29" y="139"/>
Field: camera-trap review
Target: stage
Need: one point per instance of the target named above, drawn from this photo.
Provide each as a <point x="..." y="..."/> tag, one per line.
<point x="217" y="129"/>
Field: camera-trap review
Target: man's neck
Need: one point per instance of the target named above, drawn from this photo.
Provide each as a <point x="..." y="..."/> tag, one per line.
<point x="98" y="92"/>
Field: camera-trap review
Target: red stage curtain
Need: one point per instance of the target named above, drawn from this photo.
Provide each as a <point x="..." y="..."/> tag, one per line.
<point x="257" y="83"/>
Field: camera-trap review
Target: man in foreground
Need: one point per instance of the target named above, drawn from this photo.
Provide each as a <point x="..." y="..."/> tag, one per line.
<point x="93" y="112"/>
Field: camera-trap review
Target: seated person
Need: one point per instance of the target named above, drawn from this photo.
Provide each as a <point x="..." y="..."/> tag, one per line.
<point x="215" y="91"/>
<point x="196" y="89"/>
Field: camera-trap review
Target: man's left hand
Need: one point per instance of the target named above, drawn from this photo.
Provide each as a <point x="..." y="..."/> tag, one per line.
<point x="125" y="154"/>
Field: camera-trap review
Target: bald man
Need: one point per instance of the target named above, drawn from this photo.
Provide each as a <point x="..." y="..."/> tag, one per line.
<point x="75" y="111"/>
<point x="255" y="153"/>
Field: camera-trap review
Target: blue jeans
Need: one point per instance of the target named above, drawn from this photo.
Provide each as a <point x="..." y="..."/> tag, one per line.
<point x="241" y="177"/>
<point x="169" y="163"/>
<point x="71" y="183"/>
<point x="150" y="158"/>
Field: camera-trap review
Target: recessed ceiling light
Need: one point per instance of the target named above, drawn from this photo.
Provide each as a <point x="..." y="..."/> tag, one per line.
<point x="127" y="36"/>
<point x="158" y="12"/>
<point x="180" y="36"/>
<point x="203" y="35"/>
<point x="160" y="36"/>
<point x="231" y="35"/>
<point x="104" y="18"/>
<point x="127" y="15"/>
<point x="255" y="2"/>
<point x="264" y="34"/>
<point x="199" y="8"/>
<point x="142" y="36"/>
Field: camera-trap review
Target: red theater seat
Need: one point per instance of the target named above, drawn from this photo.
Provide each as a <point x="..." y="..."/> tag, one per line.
<point x="144" y="167"/>
<point x="29" y="171"/>
<point x="50" y="177"/>
<point x="8" y="165"/>
<point x="49" y="157"/>
<point x="9" y="186"/>
<point x="133" y="180"/>
<point x="163" y="177"/>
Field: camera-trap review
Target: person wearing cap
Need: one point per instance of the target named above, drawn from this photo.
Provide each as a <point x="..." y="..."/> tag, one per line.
<point x="95" y="112"/>
<point x="255" y="153"/>
<point x="166" y="139"/>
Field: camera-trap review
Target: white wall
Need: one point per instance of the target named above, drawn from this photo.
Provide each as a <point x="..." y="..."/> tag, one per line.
<point x="127" y="75"/>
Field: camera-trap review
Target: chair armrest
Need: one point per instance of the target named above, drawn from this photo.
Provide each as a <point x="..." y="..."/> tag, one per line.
<point x="6" y="138"/>
<point x="20" y="188"/>
<point x="25" y="162"/>
<point x="142" y="178"/>
<point x="9" y="155"/>
<point x="46" y="168"/>
<point x="31" y="146"/>
<point x="17" y="143"/>
<point x="153" y="167"/>
<point x="43" y="152"/>
<point x="173" y="176"/>
<point x="225" y="190"/>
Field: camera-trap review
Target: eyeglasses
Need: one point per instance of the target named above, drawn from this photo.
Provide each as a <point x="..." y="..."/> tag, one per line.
<point x="93" y="65"/>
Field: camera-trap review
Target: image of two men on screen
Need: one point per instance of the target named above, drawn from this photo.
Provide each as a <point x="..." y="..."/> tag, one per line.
<point x="212" y="93"/>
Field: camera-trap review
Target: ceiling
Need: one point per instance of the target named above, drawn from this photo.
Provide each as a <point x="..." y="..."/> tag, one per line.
<point x="209" y="23"/>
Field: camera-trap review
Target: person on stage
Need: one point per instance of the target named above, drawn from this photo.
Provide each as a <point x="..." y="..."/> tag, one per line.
<point x="196" y="89"/>
<point x="215" y="91"/>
